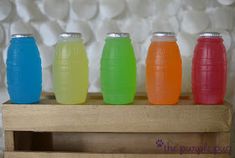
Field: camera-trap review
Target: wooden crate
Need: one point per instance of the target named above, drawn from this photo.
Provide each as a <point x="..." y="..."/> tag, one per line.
<point x="95" y="130"/>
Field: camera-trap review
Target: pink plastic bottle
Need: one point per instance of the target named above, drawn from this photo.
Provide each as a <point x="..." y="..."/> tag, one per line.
<point x="209" y="69"/>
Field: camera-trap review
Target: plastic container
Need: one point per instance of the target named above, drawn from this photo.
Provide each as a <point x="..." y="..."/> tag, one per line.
<point x="209" y="69"/>
<point x="163" y="69"/>
<point x="70" y="70"/>
<point x="118" y="70"/>
<point x="24" y="71"/>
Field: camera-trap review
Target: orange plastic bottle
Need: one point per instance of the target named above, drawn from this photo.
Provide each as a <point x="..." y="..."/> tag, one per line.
<point x="163" y="69"/>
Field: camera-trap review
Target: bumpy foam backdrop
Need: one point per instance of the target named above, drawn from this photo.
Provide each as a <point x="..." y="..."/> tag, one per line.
<point x="46" y="19"/>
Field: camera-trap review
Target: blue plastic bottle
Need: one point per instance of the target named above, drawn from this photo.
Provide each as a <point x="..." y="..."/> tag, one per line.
<point x="24" y="71"/>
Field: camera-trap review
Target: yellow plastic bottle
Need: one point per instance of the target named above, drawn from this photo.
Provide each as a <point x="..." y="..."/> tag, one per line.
<point x="70" y="70"/>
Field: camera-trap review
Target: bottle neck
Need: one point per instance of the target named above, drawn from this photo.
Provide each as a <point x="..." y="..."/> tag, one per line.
<point x="117" y="39"/>
<point x="70" y="39"/>
<point x="163" y="39"/>
<point x="23" y="39"/>
<point x="210" y="39"/>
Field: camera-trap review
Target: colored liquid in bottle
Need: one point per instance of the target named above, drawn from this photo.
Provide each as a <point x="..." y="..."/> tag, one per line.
<point x="163" y="69"/>
<point x="118" y="70"/>
<point x="24" y="71"/>
<point x="70" y="70"/>
<point x="209" y="69"/>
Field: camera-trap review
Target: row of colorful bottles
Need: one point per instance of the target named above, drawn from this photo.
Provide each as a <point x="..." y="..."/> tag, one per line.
<point x="118" y="69"/>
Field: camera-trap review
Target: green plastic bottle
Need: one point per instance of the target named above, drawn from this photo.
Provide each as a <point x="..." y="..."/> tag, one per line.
<point x="118" y="69"/>
<point x="70" y="70"/>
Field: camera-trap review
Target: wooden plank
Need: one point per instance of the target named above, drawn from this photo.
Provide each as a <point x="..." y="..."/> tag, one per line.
<point x="87" y="155"/>
<point x="9" y="140"/>
<point x="96" y="117"/>
<point x="223" y="138"/>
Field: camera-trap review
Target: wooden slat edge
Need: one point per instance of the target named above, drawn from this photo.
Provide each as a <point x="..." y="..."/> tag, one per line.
<point x="9" y="140"/>
<point x="87" y="155"/>
<point x="103" y="118"/>
<point x="223" y="139"/>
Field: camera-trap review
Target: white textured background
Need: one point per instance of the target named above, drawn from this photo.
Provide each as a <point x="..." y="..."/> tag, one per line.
<point x="46" y="19"/>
